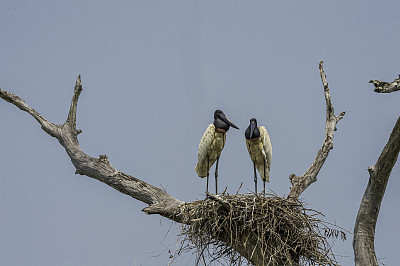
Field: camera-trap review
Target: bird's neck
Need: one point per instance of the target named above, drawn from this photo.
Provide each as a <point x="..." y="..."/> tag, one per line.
<point x="220" y="130"/>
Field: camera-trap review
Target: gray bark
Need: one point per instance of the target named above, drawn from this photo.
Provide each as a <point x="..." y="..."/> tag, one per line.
<point x="100" y="168"/>
<point x="364" y="229"/>
<point x="163" y="204"/>
<point x="386" y="87"/>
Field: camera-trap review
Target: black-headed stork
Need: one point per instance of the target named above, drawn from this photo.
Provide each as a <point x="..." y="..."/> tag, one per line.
<point x="211" y="145"/>
<point x="260" y="150"/>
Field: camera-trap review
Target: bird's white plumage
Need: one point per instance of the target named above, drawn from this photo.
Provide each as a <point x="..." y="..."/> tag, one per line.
<point x="210" y="148"/>
<point x="260" y="151"/>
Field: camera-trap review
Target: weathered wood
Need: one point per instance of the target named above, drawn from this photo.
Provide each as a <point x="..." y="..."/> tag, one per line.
<point x="364" y="229"/>
<point x="100" y="168"/>
<point x="386" y="87"/>
<point x="300" y="183"/>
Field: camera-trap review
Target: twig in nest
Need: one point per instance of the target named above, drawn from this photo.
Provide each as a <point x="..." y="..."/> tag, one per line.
<point x="280" y="231"/>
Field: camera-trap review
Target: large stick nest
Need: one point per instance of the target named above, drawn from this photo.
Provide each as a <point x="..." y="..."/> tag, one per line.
<point x="283" y="232"/>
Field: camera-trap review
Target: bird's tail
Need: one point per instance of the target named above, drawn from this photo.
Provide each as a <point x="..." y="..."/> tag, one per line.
<point x="200" y="171"/>
<point x="265" y="174"/>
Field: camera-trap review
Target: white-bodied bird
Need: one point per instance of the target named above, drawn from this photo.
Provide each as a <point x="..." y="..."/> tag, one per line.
<point x="211" y="145"/>
<point x="260" y="150"/>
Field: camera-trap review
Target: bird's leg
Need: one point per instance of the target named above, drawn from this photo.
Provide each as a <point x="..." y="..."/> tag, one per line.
<point x="255" y="177"/>
<point x="208" y="170"/>
<point x="264" y="179"/>
<point x="216" y="177"/>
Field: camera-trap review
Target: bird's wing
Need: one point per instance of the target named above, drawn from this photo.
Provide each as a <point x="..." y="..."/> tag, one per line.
<point x="204" y="148"/>
<point x="266" y="144"/>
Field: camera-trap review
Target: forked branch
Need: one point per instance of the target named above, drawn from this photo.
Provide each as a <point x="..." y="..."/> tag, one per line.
<point x="300" y="183"/>
<point x="247" y="244"/>
<point x="364" y="228"/>
<point x="386" y="87"/>
<point x="100" y="168"/>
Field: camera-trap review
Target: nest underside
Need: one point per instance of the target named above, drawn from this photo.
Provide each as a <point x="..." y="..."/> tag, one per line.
<point x="227" y="228"/>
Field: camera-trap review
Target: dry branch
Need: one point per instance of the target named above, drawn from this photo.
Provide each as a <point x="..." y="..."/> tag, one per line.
<point x="386" y="87"/>
<point x="300" y="183"/>
<point x="247" y="243"/>
<point x="99" y="168"/>
<point x="364" y="229"/>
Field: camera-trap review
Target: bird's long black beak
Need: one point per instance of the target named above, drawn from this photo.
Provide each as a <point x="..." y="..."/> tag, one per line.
<point x="252" y="127"/>
<point x="226" y="120"/>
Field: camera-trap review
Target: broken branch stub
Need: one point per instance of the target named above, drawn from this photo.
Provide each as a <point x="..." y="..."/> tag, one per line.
<point x="386" y="87"/>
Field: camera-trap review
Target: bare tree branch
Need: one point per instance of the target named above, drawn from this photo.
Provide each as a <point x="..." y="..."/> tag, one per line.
<point x="100" y="168"/>
<point x="386" y="87"/>
<point x="52" y="129"/>
<point x="364" y="229"/>
<point x="300" y="183"/>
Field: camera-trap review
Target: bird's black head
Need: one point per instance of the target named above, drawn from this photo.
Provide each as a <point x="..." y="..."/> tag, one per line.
<point x="222" y="122"/>
<point x="252" y="131"/>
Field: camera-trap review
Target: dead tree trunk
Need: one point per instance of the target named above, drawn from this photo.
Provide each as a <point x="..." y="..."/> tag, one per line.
<point x="364" y="229"/>
<point x="158" y="200"/>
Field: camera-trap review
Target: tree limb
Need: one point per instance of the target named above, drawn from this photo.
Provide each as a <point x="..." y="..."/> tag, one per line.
<point x="100" y="168"/>
<point x="364" y="229"/>
<point x="300" y="183"/>
<point x="386" y="87"/>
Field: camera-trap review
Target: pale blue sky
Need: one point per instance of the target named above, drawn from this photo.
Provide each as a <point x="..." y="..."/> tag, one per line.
<point x="153" y="73"/>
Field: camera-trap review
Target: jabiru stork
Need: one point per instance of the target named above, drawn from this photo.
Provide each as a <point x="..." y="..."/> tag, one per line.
<point x="260" y="150"/>
<point x="211" y="145"/>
